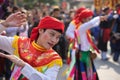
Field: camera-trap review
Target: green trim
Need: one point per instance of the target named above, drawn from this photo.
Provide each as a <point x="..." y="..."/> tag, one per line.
<point x="85" y="57"/>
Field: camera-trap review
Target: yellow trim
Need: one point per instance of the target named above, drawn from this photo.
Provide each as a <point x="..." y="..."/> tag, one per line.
<point x="41" y="68"/>
<point x="38" y="47"/>
<point x="49" y="65"/>
<point x="15" y="45"/>
<point x="13" y="79"/>
<point x="69" y="78"/>
<point x="57" y="61"/>
<point x="73" y="22"/>
<point x="76" y="26"/>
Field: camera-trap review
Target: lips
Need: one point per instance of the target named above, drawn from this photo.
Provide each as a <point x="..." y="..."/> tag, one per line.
<point x="51" y="44"/>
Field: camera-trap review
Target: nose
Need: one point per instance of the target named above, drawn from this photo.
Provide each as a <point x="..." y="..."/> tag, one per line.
<point x="55" y="39"/>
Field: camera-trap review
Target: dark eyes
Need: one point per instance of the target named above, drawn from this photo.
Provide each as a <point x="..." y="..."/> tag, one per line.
<point x="54" y="35"/>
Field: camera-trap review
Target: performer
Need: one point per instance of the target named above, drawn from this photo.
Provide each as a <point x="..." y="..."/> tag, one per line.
<point x="104" y="34"/>
<point x="71" y="58"/>
<point x="84" y="68"/>
<point x="36" y="60"/>
<point x="75" y="22"/>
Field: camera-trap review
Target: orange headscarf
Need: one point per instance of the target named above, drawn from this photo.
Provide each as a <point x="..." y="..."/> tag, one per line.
<point x="47" y="22"/>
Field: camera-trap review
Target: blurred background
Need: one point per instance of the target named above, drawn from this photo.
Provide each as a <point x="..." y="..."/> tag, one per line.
<point x="63" y="10"/>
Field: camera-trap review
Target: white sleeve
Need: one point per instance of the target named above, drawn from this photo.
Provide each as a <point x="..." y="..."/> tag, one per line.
<point x="6" y="44"/>
<point x="70" y="31"/>
<point x="2" y="28"/>
<point x="32" y="74"/>
<point x="90" y="24"/>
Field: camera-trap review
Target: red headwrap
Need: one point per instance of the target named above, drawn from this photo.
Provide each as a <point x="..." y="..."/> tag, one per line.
<point x="85" y="14"/>
<point x="47" y="23"/>
<point x="76" y="18"/>
<point x="79" y="11"/>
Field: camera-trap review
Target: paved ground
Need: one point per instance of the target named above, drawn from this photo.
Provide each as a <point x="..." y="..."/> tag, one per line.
<point x="107" y="70"/>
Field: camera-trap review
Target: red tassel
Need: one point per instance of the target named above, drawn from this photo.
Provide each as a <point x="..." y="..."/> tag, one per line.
<point x="68" y="60"/>
<point x="24" y="79"/>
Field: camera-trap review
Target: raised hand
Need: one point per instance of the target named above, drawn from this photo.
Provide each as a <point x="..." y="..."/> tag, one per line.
<point x="104" y="18"/>
<point x="15" y="20"/>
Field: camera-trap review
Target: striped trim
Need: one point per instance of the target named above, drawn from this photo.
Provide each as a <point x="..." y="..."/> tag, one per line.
<point x="15" y="45"/>
<point x="38" y="47"/>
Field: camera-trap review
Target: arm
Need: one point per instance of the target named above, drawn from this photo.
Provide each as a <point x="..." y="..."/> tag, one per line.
<point x="92" y="23"/>
<point x="16" y="19"/>
<point x="70" y="31"/>
<point x="11" y="30"/>
<point x="6" y="44"/>
<point x="2" y="28"/>
<point x="29" y="72"/>
<point x="33" y="74"/>
<point x="23" y="28"/>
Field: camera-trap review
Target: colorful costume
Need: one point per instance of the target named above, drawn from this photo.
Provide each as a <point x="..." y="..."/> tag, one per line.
<point x="42" y="60"/>
<point x="83" y="68"/>
<point x="41" y="63"/>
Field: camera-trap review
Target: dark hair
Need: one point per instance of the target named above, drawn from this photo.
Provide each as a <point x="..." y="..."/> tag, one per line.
<point x="105" y="9"/>
<point x="56" y="9"/>
<point x="60" y="31"/>
<point x="117" y="5"/>
<point x="55" y="30"/>
<point x="15" y="8"/>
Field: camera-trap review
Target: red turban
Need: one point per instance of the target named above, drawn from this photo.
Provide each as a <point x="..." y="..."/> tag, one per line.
<point x="76" y="18"/>
<point x="85" y="14"/>
<point x="79" y="11"/>
<point x="47" y="23"/>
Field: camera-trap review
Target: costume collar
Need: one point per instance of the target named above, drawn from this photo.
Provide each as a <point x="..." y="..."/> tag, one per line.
<point x="38" y="47"/>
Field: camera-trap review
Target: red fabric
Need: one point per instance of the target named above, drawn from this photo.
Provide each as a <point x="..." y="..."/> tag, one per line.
<point x="79" y="11"/>
<point x="26" y="49"/>
<point x="68" y="60"/>
<point x="24" y="79"/>
<point x="76" y="18"/>
<point x="106" y="34"/>
<point x="1" y="1"/>
<point x="118" y="11"/>
<point x="47" y="23"/>
<point x="85" y="14"/>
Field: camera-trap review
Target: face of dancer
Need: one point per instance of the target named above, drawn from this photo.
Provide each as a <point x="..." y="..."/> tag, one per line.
<point x="48" y="38"/>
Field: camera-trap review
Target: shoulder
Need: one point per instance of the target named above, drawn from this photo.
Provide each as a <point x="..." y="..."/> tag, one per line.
<point x="55" y="59"/>
<point x="17" y="40"/>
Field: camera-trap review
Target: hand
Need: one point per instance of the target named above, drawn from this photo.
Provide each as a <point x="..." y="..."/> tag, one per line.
<point x="117" y="35"/>
<point x="115" y="16"/>
<point x="103" y="18"/>
<point x="15" y="20"/>
<point x="19" y="62"/>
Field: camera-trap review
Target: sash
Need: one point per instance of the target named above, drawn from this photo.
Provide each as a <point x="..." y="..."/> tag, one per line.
<point x="89" y="38"/>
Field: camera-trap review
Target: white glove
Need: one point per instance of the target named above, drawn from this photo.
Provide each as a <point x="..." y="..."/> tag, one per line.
<point x="115" y="16"/>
